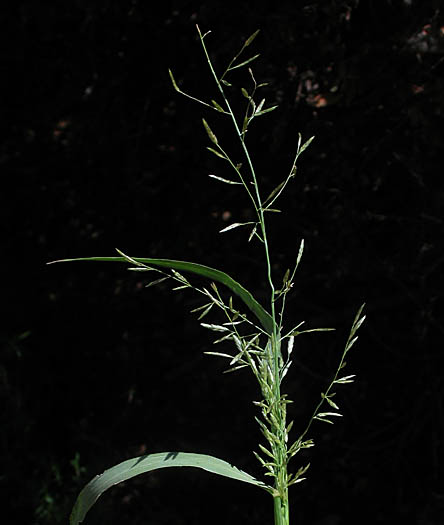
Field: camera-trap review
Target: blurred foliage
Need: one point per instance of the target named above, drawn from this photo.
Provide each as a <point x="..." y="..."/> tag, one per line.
<point x="101" y="152"/>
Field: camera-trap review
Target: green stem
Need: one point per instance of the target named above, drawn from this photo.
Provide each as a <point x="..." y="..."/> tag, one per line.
<point x="281" y="511"/>
<point x="281" y="506"/>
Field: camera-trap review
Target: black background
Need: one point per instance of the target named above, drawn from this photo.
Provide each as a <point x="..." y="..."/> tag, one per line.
<point x="100" y="152"/>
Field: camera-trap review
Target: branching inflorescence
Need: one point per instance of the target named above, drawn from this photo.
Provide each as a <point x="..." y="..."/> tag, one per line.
<point x="259" y="341"/>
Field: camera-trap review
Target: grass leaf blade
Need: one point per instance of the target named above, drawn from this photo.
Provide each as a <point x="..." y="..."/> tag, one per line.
<point x="140" y="465"/>
<point x="199" y="269"/>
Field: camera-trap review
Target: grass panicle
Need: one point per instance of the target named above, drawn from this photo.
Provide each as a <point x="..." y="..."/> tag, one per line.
<point x="259" y="338"/>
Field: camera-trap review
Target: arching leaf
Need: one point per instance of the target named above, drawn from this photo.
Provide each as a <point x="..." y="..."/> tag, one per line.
<point x="205" y="271"/>
<point x="136" y="466"/>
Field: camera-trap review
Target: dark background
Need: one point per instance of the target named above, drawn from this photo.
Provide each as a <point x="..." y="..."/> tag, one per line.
<point x="100" y="152"/>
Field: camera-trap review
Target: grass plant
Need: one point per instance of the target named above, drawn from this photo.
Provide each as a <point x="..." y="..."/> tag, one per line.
<point x="259" y="339"/>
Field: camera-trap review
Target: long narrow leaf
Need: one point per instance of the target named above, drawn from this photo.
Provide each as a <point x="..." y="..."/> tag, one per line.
<point x="204" y="271"/>
<point x="136" y="466"/>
